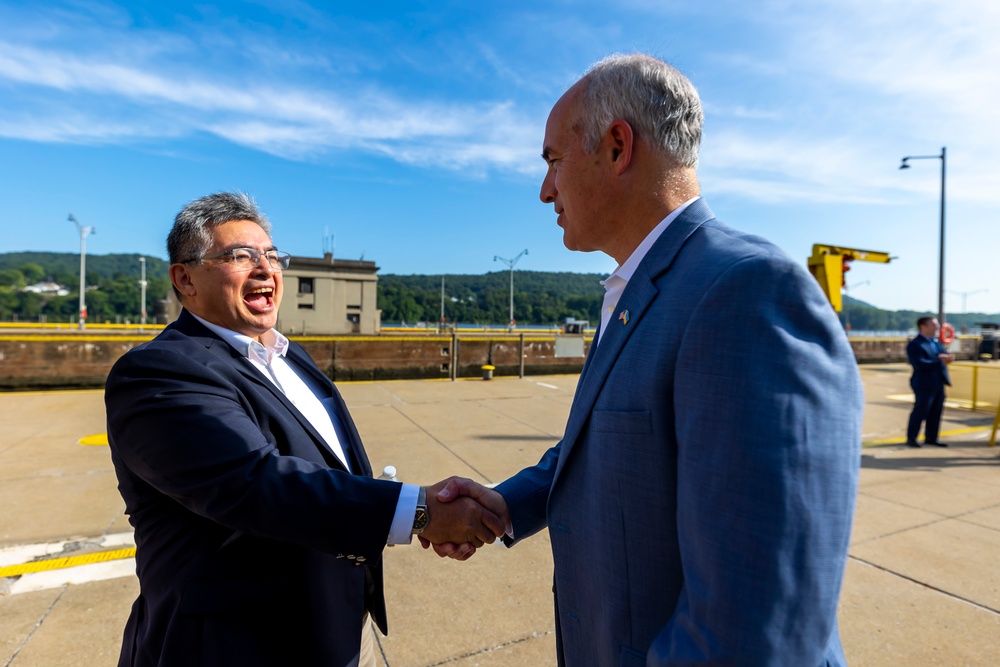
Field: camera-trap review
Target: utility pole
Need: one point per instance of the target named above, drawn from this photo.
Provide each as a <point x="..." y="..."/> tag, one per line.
<point x="510" y="263"/>
<point x="142" y="285"/>
<point x="441" y="321"/>
<point x="84" y="232"/>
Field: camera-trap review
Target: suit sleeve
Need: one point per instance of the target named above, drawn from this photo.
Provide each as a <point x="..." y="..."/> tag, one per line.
<point x="920" y="356"/>
<point x="181" y="426"/>
<point x="768" y="402"/>
<point x="526" y="495"/>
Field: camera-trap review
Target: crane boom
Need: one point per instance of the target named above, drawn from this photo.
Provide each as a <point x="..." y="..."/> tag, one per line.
<point x="829" y="263"/>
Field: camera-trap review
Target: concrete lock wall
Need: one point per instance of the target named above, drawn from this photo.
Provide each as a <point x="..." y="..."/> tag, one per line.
<point x="79" y="361"/>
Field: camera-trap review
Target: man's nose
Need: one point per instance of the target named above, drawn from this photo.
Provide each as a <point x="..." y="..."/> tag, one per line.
<point x="548" y="191"/>
<point x="264" y="266"/>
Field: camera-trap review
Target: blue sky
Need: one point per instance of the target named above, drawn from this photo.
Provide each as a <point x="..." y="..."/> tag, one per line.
<point x="411" y="131"/>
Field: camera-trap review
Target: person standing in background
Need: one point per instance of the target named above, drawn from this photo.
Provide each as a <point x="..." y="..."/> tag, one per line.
<point x="930" y="375"/>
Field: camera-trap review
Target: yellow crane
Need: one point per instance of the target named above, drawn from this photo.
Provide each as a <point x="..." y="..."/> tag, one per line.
<point x="829" y="263"/>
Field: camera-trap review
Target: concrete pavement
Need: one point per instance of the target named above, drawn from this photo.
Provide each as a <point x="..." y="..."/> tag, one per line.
<point x="922" y="587"/>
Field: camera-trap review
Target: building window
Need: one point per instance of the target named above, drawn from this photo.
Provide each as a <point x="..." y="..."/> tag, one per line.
<point x="354" y="317"/>
<point x="305" y="286"/>
<point x="305" y="306"/>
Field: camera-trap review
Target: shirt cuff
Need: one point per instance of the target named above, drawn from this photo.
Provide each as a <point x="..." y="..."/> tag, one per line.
<point x="401" y="530"/>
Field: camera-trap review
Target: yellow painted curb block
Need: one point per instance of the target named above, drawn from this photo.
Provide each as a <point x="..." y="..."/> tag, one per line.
<point x="70" y="561"/>
<point x="96" y="440"/>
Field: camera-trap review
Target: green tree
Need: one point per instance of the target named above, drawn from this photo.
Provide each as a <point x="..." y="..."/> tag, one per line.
<point x="12" y="278"/>
<point x="33" y="273"/>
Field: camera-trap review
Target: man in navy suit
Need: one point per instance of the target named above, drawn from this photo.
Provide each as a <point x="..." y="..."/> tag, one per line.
<point x="700" y="501"/>
<point x="930" y="375"/>
<point x="259" y="529"/>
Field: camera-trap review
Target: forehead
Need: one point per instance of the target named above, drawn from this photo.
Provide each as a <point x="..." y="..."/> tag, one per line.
<point x="236" y="233"/>
<point x="559" y="128"/>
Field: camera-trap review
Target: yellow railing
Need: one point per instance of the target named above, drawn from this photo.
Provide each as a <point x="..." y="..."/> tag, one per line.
<point x="107" y="326"/>
<point x="975" y="385"/>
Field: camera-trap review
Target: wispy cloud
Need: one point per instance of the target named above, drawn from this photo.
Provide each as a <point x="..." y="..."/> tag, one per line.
<point x="840" y="85"/>
<point x="141" y="97"/>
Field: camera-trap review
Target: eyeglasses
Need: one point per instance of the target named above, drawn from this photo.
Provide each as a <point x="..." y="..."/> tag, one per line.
<point x="248" y="258"/>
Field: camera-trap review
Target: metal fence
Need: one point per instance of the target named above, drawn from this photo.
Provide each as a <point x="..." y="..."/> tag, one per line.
<point x="975" y="385"/>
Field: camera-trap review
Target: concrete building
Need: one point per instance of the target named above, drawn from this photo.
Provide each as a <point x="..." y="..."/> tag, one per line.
<point x="324" y="295"/>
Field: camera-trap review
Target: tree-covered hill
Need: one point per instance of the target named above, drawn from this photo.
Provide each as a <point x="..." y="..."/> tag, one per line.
<point x="113" y="294"/>
<point x="539" y="297"/>
<point x="113" y="290"/>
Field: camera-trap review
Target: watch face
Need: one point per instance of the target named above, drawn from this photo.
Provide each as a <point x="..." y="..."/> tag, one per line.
<point x="420" y="519"/>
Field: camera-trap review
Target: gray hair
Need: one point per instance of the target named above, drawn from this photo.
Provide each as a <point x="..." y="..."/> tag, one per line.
<point x="659" y="102"/>
<point x="191" y="236"/>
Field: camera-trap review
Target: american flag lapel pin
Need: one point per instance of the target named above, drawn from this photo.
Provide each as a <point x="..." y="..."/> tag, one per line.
<point x="623" y="316"/>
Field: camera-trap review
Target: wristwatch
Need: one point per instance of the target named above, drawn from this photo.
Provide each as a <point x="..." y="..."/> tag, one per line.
<point x="421" y="517"/>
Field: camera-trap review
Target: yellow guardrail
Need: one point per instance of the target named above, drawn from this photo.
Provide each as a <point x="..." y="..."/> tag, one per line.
<point x="975" y="385"/>
<point x="107" y="326"/>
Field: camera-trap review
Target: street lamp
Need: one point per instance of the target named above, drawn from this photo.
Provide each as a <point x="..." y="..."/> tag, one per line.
<point x="966" y="295"/>
<point x="510" y="263"/>
<point x="441" y="321"/>
<point x="84" y="232"/>
<point x="905" y="165"/>
<point x="142" y="285"/>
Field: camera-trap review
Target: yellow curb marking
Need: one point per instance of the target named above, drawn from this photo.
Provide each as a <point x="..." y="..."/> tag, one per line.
<point x="70" y="561"/>
<point x="97" y="439"/>
<point x="899" y="441"/>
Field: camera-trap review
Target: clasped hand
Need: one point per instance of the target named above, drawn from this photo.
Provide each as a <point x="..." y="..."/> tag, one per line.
<point x="464" y="516"/>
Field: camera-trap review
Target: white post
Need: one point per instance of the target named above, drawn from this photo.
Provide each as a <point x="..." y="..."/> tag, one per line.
<point x="142" y="285"/>
<point x="84" y="231"/>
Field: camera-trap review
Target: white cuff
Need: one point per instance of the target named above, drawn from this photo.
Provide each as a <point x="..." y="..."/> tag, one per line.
<point x="401" y="530"/>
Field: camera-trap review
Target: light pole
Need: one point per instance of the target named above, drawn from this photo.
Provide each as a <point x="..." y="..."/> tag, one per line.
<point x="966" y="295"/>
<point x="142" y="286"/>
<point x="84" y="232"/>
<point x="905" y="165"/>
<point x="441" y="321"/>
<point x="510" y="263"/>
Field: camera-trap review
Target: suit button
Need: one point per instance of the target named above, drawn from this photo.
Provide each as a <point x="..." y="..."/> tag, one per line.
<point x="361" y="559"/>
<point x="351" y="557"/>
<point x="340" y="555"/>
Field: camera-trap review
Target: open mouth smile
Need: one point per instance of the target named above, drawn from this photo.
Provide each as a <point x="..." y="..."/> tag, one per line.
<point x="261" y="299"/>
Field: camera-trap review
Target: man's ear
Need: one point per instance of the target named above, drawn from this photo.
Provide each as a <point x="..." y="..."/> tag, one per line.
<point x="621" y="141"/>
<point x="180" y="276"/>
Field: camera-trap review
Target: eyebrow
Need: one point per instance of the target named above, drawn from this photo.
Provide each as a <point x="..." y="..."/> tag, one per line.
<point x="234" y="246"/>
<point x="546" y="152"/>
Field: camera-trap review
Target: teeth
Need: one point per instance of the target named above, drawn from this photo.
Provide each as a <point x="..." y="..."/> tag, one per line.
<point x="260" y="290"/>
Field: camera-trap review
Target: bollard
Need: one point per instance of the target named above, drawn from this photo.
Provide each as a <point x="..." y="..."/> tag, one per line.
<point x="488" y="371"/>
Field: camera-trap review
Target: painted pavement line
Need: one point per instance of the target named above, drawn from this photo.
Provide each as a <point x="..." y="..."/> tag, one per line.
<point x="40" y="581"/>
<point x="25" y="553"/>
<point x="38" y="567"/>
<point x="66" y="562"/>
<point x="901" y="440"/>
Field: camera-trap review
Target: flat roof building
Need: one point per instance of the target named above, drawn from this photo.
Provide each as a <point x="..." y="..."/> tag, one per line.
<point x="325" y="296"/>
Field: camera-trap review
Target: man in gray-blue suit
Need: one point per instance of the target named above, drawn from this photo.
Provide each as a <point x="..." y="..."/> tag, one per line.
<point x="700" y="502"/>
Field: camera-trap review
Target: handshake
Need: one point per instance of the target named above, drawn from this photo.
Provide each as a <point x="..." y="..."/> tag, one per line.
<point x="464" y="516"/>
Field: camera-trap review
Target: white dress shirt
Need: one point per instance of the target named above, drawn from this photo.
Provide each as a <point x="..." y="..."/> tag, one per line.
<point x="615" y="284"/>
<point x="269" y="358"/>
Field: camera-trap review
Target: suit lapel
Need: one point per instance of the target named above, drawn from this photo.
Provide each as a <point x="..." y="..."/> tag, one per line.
<point x="635" y="299"/>
<point x="334" y="403"/>
<point x="191" y="327"/>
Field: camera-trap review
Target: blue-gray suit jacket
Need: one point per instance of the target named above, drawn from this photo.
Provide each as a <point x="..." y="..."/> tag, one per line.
<point x="700" y="502"/>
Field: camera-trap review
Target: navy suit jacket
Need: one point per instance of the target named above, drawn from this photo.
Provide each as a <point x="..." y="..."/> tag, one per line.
<point x="254" y="545"/>
<point x="700" y="502"/>
<point x="930" y="374"/>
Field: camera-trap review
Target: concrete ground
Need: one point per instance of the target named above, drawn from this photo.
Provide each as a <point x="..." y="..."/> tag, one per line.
<point x="922" y="585"/>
